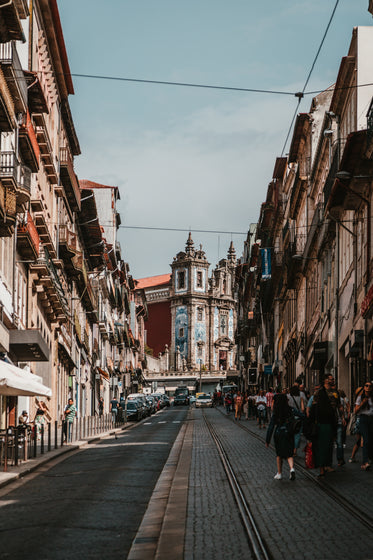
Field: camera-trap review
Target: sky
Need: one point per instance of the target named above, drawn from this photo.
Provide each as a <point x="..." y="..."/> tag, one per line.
<point x="191" y="158"/>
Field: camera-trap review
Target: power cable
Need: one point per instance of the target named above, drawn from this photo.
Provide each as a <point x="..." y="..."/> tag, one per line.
<point x="300" y="95"/>
<point x="181" y="84"/>
<point x="185" y="230"/>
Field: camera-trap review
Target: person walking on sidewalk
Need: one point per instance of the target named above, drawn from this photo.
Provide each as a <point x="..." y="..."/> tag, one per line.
<point x="284" y="441"/>
<point x="364" y="409"/>
<point x="238" y="402"/>
<point x="100" y="406"/>
<point x="70" y="413"/>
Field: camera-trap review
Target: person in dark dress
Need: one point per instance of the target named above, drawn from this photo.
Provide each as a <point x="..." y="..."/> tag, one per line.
<point x="284" y="441"/>
<point x="324" y="411"/>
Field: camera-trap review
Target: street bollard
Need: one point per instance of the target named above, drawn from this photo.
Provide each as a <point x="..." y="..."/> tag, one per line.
<point x="62" y="431"/>
<point x="55" y="434"/>
<point x="35" y="438"/>
<point x="49" y="436"/>
<point x="42" y="439"/>
<point x="15" y="446"/>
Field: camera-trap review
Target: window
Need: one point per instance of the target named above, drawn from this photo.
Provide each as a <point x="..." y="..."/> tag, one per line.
<point x="223" y="324"/>
<point x="199" y="279"/>
<point x="199" y="314"/>
<point x="181" y="280"/>
<point x="181" y="332"/>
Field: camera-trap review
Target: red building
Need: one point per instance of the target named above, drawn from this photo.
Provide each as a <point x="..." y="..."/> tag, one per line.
<point x="158" y="325"/>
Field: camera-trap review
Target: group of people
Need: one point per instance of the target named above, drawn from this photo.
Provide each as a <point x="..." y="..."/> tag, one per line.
<point x="323" y="419"/>
<point x="40" y="420"/>
<point x="250" y="405"/>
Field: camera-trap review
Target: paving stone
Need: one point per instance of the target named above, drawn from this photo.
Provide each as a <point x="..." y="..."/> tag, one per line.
<point x="296" y="519"/>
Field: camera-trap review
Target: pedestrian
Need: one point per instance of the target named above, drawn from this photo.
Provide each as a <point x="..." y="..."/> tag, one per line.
<point x="245" y="406"/>
<point x="39" y="421"/>
<point x="23" y="419"/>
<point x="364" y="410"/>
<point x="228" y="402"/>
<point x="324" y="411"/>
<point x="297" y="404"/>
<point x="70" y="413"/>
<point x="114" y="409"/>
<point x="343" y="413"/>
<point x="284" y="440"/>
<point x="261" y="405"/>
<point x="238" y="402"/>
<point x="269" y="402"/>
<point x="100" y="406"/>
<point x="355" y="431"/>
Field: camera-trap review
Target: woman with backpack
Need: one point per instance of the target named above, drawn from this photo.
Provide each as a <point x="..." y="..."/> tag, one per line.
<point x="283" y="436"/>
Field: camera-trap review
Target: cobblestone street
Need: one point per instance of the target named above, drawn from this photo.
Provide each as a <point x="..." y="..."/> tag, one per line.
<point x="296" y="519"/>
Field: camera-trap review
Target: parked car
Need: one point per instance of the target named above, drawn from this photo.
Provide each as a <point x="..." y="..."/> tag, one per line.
<point x="192" y="400"/>
<point x="152" y="404"/>
<point x="160" y="402"/>
<point x="134" y="411"/>
<point x="203" y="401"/>
<point x="141" y="398"/>
<point x="166" y="400"/>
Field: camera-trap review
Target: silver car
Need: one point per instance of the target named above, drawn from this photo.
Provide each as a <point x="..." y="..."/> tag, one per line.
<point x="204" y="401"/>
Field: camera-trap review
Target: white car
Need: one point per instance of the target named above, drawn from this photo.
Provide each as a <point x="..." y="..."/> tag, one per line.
<point x="203" y="401"/>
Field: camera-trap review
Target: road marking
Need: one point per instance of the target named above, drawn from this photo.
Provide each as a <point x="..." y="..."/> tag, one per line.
<point x="148" y="423"/>
<point x="163" y="422"/>
<point x="176" y="421"/>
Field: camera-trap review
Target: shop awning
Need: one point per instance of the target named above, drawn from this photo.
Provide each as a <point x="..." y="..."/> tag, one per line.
<point x="15" y="381"/>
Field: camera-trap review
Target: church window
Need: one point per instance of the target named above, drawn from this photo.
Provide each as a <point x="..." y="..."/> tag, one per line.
<point x="223" y="324"/>
<point x="181" y="332"/>
<point x="199" y="314"/>
<point x="181" y="279"/>
<point x="199" y="279"/>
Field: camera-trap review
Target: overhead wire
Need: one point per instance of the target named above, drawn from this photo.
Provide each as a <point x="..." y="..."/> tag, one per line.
<point x="300" y="95"/>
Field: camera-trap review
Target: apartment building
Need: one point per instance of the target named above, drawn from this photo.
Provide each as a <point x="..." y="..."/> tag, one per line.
<point x="313" y="312"/>
<point x="65" y="290"/>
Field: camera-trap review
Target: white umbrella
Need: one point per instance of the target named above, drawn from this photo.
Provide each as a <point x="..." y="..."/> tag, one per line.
<point x="15" y="381"/>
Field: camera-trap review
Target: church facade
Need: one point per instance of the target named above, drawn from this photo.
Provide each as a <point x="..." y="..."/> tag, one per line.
<point x="203" y="311"/>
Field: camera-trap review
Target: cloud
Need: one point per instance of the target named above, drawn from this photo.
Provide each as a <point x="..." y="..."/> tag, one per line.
<point x="207" y="170"/>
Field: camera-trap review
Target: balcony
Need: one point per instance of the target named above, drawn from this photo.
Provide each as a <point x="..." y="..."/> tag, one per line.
<point x="47" y="284"/>
<point x="28" y="345"/>
<point x="16" y="177"/>
<point x="46" y="151"/>
<point x="69" y="179"/>
<point x="68" y="244"/>
<point x="28" y="241"/>
<point x="28" y="144"/>
<point x="8" y="210"/>
<point x="10" y="24"/>
<point x="44" y="233"/>
<point x="13" y="72"/>
<point x="84" y="283"/>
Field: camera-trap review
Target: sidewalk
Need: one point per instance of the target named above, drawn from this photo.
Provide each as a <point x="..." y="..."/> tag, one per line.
<point x="27" y="467"/>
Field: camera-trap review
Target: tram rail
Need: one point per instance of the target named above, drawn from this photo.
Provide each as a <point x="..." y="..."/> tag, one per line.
<point x="257" y="544"/>
<point x="362" y="516"/>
